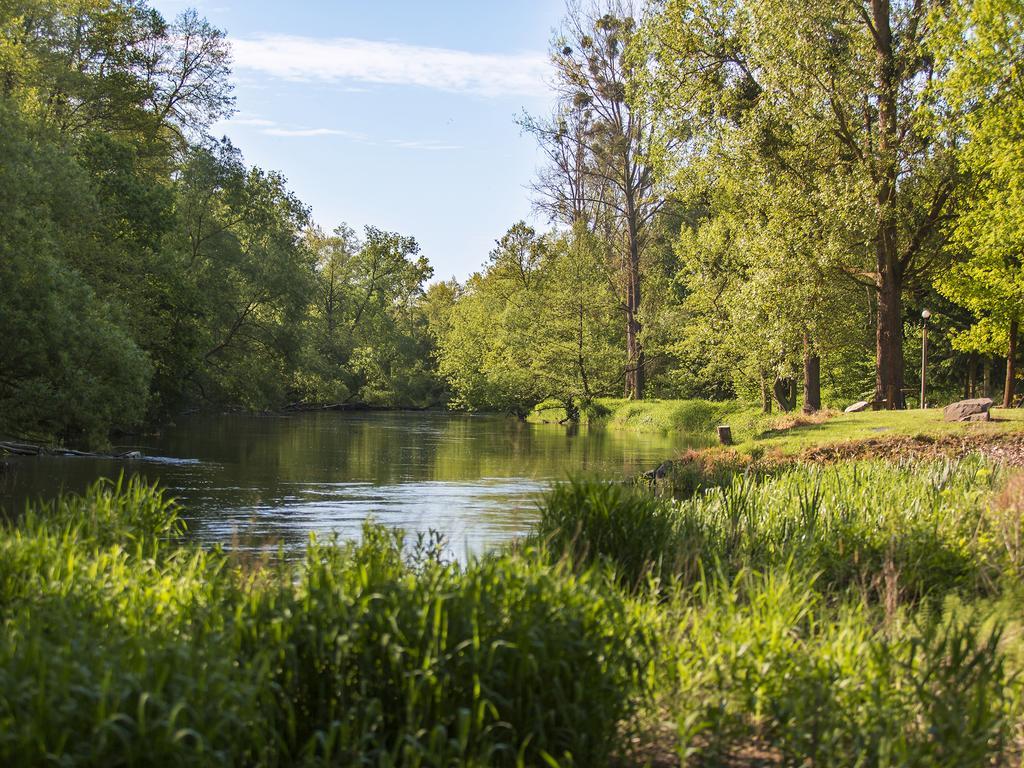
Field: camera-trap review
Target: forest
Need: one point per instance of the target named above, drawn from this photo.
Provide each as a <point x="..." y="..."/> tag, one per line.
<point x="747" y="199"/>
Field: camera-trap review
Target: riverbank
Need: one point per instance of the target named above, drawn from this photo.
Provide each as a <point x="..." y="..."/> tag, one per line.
<point x="660" y="416"/>
<point x="786" y="434"/>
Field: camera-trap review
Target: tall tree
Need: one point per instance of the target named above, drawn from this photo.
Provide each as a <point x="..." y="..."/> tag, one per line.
<point x="981" y="49"/>
<point x="846" y="81"/>
<point x="598" y="149"/>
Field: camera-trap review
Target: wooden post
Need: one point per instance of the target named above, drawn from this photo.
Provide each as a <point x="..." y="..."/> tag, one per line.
<point x="725" y="434"/>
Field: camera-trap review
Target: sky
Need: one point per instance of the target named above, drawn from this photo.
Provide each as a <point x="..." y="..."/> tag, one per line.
<point x="395" y="113"/>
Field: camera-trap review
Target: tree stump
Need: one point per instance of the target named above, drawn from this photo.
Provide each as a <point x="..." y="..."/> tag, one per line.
<point x="725" y="434"/>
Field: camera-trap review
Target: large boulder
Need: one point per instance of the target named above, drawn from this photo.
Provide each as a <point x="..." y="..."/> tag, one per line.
<point x="968" y="410"/>
<point x="857" y="407"/>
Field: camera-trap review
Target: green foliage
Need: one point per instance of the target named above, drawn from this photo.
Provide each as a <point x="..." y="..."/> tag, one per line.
<point x="121" y="647"/>
<point x="539" y="323"/>
<point x="982" y="87"/>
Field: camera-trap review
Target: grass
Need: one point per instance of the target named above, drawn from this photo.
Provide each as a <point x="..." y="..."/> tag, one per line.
<point x="852" y="614"/>
<point x="799" y="435"/>
<point x="755" y="433"/>
<point x="121" y="646"/>
<point x="856" y="614"/>
<point x="659" y="416"/>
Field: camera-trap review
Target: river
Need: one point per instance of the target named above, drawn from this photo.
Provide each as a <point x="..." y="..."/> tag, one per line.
<point x="266" y="482"/>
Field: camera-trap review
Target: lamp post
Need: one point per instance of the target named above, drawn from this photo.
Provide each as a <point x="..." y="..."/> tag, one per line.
<point x="924" y="350"/>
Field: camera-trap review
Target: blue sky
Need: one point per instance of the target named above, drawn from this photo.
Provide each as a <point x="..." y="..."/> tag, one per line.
<point x="395" y="113"/>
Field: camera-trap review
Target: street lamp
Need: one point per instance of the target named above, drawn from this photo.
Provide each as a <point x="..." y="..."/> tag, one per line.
<point x="924" y="350"/>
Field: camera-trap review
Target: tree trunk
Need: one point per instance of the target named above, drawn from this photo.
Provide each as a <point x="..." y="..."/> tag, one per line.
<point x="987" y="378"/>
<point x="812" y="378"/>
<point x="785" y="394"/>
<point x="889" y="331"/>
<point x="766" y="395"/>
<point x="1011" y="366"/>
<point x="889" y="341"/>
<point x="971" y="381"/>
<point x="634" y="351"/>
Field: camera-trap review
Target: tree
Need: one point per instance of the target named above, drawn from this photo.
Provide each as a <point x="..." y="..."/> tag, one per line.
<point x="598" y="149"/>
<point x="981" y="47"/>
<point x="244" y="279"/>
<point x="371" y="336"/>
<point x="842" y="83"/>
<point x="537" y="324"/>
<point x="66" y="369"/>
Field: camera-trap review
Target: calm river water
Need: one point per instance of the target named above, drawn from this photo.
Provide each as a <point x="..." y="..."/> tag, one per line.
<point x="261" y="482"/>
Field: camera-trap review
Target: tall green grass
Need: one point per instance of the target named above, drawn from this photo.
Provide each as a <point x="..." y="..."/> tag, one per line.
<point x="801" y="614"/>
<point x="835" y="617"/>
<point x="765" y="661"/>
<point x="121" y="648"/>
<point x="891" y="532"/>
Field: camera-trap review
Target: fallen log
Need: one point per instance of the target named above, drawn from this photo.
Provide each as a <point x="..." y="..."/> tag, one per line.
<point x="30" y="449"/>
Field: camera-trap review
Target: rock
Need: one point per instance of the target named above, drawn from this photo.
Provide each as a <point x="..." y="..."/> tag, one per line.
<point x="966" y="410"/>
<point x="661" y="471"/>
<point x="860" y="405"/>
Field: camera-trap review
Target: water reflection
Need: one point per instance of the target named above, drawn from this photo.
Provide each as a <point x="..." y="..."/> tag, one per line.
<point x="265" y="482"/>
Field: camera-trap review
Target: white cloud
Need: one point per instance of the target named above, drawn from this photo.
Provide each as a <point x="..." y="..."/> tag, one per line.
<point x="257" y="122"/>
<point x="303" y="132"/>
<point x="347" y="59"/>
<point x="272" y="128"/>
<point x="428" y="144"/>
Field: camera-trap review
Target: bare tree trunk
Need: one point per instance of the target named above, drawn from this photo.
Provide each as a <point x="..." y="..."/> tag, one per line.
<point x="634" y="350"/>
<point x="785" y="394"/>
<point x="766" y="395"/>
<point x="889" y="331"/>
<point x="971" y="380"/>
<point x="1011" y="366"/>
<point x="812" y="378"/>
<point x="987" y="378"/>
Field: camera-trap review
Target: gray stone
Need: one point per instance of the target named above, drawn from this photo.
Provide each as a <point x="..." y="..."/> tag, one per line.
<point x="967" y="410"/>
<point x="860" y="405"/>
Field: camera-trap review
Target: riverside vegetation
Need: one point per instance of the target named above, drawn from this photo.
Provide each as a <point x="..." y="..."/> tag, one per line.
<point x="725" y="224"/>
<point x="857" y="614"/>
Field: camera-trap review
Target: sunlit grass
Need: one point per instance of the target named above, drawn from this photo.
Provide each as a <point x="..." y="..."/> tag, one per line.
<point x="781" y="433"/>
<point x="872" y="424"/>
<point x="852" y="614"/>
